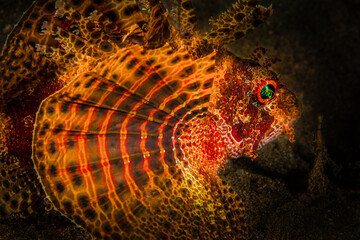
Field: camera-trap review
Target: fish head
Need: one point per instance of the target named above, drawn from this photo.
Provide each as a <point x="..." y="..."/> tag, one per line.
<point x="254" y="106"/>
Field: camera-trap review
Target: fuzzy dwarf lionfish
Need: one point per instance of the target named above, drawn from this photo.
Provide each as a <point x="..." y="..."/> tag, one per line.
<point x="136" y="110"/>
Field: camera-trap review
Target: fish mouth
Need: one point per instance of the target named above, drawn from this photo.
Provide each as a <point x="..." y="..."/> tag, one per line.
<point x="289" y="110"/>
<point x="267" y="125"/>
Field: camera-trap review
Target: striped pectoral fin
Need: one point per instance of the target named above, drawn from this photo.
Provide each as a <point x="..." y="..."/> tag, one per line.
<point x="20" y="189"/>
<point x="237" y="21"/>
<point x="103" y="145"/>
<point x="167" y="79"/>
<point x="96" y="153"/>
<point x="105" y="158"/>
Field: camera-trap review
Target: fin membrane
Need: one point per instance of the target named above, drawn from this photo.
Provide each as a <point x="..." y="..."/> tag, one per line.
<point x="237" y="21"/>
<point x="157" y="28"/>
<point x="55" y="35"/>
<point x="20" y="190"/>
<point x="103" y="149"/>
<point x="187" y="18"/>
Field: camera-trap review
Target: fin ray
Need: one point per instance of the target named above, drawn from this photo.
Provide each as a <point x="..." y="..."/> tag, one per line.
<point x="237" y="21"/>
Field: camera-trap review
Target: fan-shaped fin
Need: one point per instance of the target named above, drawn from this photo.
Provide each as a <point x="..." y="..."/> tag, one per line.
<point x="20" y="190"/>
<point x="172" y="81"/>
<point x="119" y="112"/>
<point x="237" y="21"/>
<point x="103" y="148"/>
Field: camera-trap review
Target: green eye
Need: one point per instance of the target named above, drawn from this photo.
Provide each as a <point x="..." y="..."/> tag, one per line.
<point x="267" y="91"/>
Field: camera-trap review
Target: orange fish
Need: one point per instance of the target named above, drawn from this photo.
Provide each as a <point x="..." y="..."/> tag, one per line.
<point x="137" y="114"/>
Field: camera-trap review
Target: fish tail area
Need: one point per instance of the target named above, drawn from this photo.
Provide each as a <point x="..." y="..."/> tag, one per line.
<point x="237" y="21"/>
<point x="20" y="190"/>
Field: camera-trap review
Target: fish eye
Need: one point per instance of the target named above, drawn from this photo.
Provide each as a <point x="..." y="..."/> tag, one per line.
<point x="266" y="91"/>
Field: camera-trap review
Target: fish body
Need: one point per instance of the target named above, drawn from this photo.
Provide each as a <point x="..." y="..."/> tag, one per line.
<point x="144" y="115"/>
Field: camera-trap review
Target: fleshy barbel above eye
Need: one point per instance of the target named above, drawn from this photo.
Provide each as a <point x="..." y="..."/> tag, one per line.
<point x="266" y="91"/>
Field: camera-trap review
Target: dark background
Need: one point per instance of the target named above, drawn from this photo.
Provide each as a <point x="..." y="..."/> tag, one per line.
<point x="318" y="43"/>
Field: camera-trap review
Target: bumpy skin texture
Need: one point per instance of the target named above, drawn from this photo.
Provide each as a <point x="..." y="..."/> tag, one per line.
<point x="237" y="21"/>
<point x="129" y="148"/>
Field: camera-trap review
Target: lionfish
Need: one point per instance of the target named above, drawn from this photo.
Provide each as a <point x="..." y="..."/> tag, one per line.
<point x="136" y="110"/>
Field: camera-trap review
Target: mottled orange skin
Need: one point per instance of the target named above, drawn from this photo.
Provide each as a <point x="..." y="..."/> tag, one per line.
<point x="253" y="121"/>
<point x="130" y="146"/>
<point x="237" y="123"/>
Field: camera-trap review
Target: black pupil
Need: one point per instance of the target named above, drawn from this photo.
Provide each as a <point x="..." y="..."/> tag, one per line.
<point x="267" y="91"/>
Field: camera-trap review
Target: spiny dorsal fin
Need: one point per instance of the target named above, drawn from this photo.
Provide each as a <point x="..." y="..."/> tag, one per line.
<point x="187" y="18"/>
<point x="64" y="31"/>
<point x="258" y="55"/>
<point x="237" y="21"/>
<point x="234" y="23"/>
<point x="158" y="28"/>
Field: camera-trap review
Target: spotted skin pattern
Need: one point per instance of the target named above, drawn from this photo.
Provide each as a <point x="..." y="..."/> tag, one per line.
<point x="146" y="114"/>
<point x="187" y="18"/>
<point x="53" y="39"/>
<point x="64" y="31"/>
<point x="237" y="21"/>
